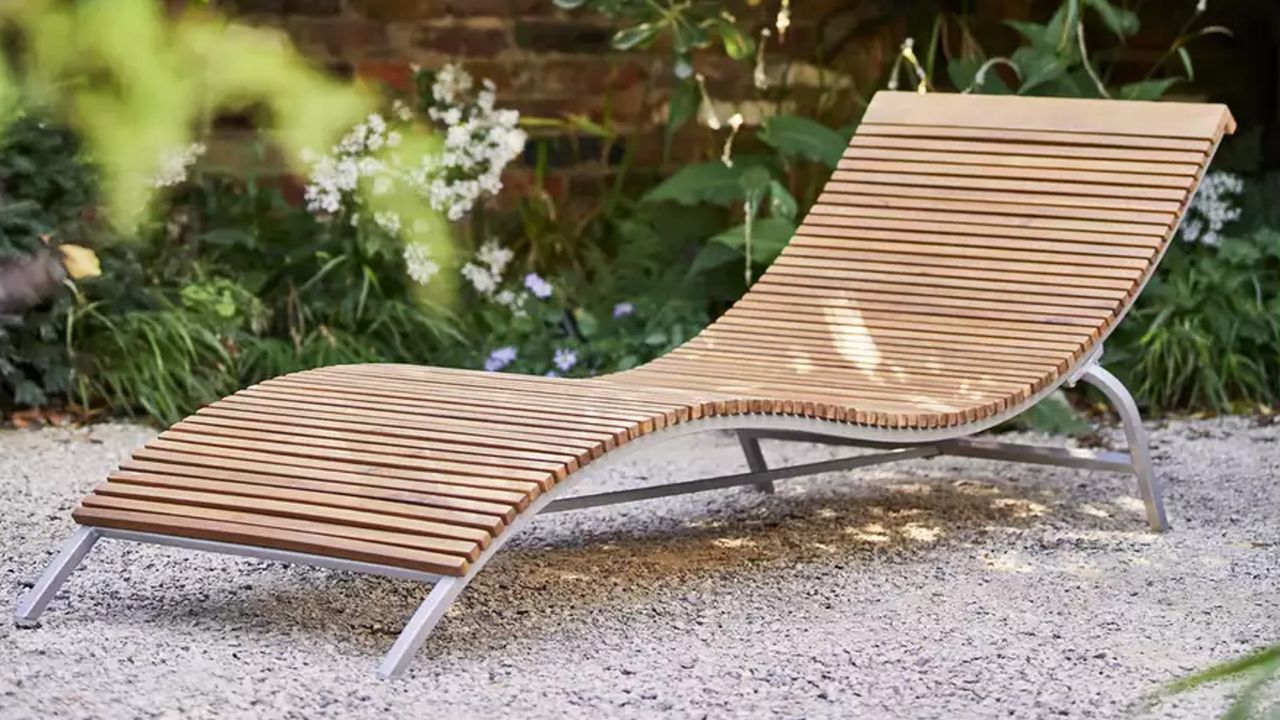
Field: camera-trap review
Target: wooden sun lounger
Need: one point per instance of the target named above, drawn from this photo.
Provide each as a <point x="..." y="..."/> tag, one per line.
<point x="968" y="257"/>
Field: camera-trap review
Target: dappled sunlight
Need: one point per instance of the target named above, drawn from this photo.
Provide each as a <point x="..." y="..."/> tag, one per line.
<point x="1021" y="507"/>
<point x="853" y="342"/>
<point x="1010" y="562"/>
<point x="1130" y="504"/>
<point x="900" y="517"/>
<point x="1093" y="510"/>
<point x="799" y="362"/>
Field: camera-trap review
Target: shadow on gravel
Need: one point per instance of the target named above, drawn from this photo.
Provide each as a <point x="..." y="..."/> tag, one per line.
<point x="628" y="557"/>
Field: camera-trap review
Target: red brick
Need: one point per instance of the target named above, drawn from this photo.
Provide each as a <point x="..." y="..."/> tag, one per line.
<point x="390" y="73"/>
<point x="573" y="76"/>
<point x="339" y="37"/>
<point x="497" y="8"/>
<point x="563" y="36"/>
<point x="463" y="40"/>
<point x="393" y="10"/>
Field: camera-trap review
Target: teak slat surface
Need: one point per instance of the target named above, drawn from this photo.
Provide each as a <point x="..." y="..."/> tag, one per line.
<point x="968" y="251"/>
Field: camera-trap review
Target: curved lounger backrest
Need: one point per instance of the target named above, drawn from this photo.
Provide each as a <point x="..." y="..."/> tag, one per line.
<point x="966" y="254"/>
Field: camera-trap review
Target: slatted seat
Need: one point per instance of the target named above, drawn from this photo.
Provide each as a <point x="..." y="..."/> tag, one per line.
<point x="969" y="255"/>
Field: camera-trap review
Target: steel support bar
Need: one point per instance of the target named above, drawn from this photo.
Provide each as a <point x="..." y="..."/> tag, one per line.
<point x="419" y="627"/>
<point x="750" y="478"/>
<point x="1136" y="436"/>
<point x="1037" y="455"/>
<point x="755" y="460"/>
<point x="72" y="554"/>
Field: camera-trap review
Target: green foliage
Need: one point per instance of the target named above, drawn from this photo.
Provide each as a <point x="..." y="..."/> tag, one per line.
<point x="1206" y="332"/>
<point x="686" y="27"/>
<point x="136" y="85"/>
<point x="1057" y="59"/>
<point x="798" y="138"/>
<point x="1259" y="671"/>
<point x="45" y="190"/>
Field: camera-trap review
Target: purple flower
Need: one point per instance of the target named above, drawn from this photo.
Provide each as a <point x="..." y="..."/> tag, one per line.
<point x="565" y="359"/>
<point x="500" y="358"/>
<point x="539" y="287"/>
<point x="623" y="309"/>
<point x="552" y="374"/>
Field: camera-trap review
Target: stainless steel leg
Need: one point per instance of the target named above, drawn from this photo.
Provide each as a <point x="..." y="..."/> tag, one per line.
<point x="1136" y="435"/>
<point x="755" y="459"/>
<point x="420" y="625"/>
<point x="37" y="599"/>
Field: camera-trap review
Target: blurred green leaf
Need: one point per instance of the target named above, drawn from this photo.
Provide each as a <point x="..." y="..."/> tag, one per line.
<point x="712" y="182"/>
<point x="795" y="136"/>
<point x="1120" y="21"/>
<point x="1147" y="89"/>
<point x="636" y="36"/>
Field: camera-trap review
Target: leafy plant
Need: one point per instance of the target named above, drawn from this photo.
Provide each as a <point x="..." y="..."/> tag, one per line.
<point x="1206" y="332"/>
<point x="45" y="188"/>
<point x="1056" y="58"/>
<point x="1258" y="670"/>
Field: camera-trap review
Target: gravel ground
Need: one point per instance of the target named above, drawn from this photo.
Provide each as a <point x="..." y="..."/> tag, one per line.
<point x="944" y="588"/>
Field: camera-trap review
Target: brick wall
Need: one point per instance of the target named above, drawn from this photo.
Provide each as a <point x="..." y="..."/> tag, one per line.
<point x="551" y="63"/>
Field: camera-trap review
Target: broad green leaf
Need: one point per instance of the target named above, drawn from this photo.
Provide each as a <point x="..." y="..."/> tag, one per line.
<point x="714" y="255"/>
<point x="768" y="237"/>
<point x="781" y="203"/>
<point x="737" y="44"/>
<point x="712" y="182"/>
<point x="1147" y="89"/>
<point x="569" y="4"/>
<point x="636" y="36"/>
<point x="1119" y="21"/>
<point x="1039" y="66"/>
<point x="801" y="137"/>
<point x="754" y="181"/>
<point x="1034" y="33"/>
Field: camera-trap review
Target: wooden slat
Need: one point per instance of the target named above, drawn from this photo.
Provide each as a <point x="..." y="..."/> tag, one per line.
<point x="305" y="431"/>
<point x="243" y="534"/>
<point x="843" y="178"/>
<point x="390" y="529"/>
<point x="999" y="205"/>
<point x="978" y="168"/>
<point x="1195" y="122"/>
<point x="978" y="223"/>
<point x="906" y="187"/>
<point x="276" y="523"/>
<point x="144" y="472"/>
<point x="937" y="140"/>
<point x="1001" y="155"/>
<point x="1032" y="257"/>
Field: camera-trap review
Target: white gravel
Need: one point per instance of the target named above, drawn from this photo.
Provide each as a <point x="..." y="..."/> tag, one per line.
<point x="944" y="588"/>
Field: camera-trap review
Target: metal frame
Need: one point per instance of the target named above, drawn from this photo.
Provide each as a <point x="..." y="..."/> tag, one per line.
<point x="890" y="446"/>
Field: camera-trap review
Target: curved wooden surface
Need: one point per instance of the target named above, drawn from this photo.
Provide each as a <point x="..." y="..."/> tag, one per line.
<point x="967" y="252"/>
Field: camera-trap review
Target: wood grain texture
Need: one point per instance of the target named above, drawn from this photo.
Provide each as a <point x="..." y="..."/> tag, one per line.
<point x="968" y="252"/>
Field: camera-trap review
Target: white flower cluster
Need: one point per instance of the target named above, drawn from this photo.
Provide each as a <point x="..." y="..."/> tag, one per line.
<point x="479" y="142"/>
<point x="485" y="274"/>
<point x="173" y="168"/>
<point x="1214" y="205"/>
<point x="335" y="177"/>
<point x="418" y="263"/>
